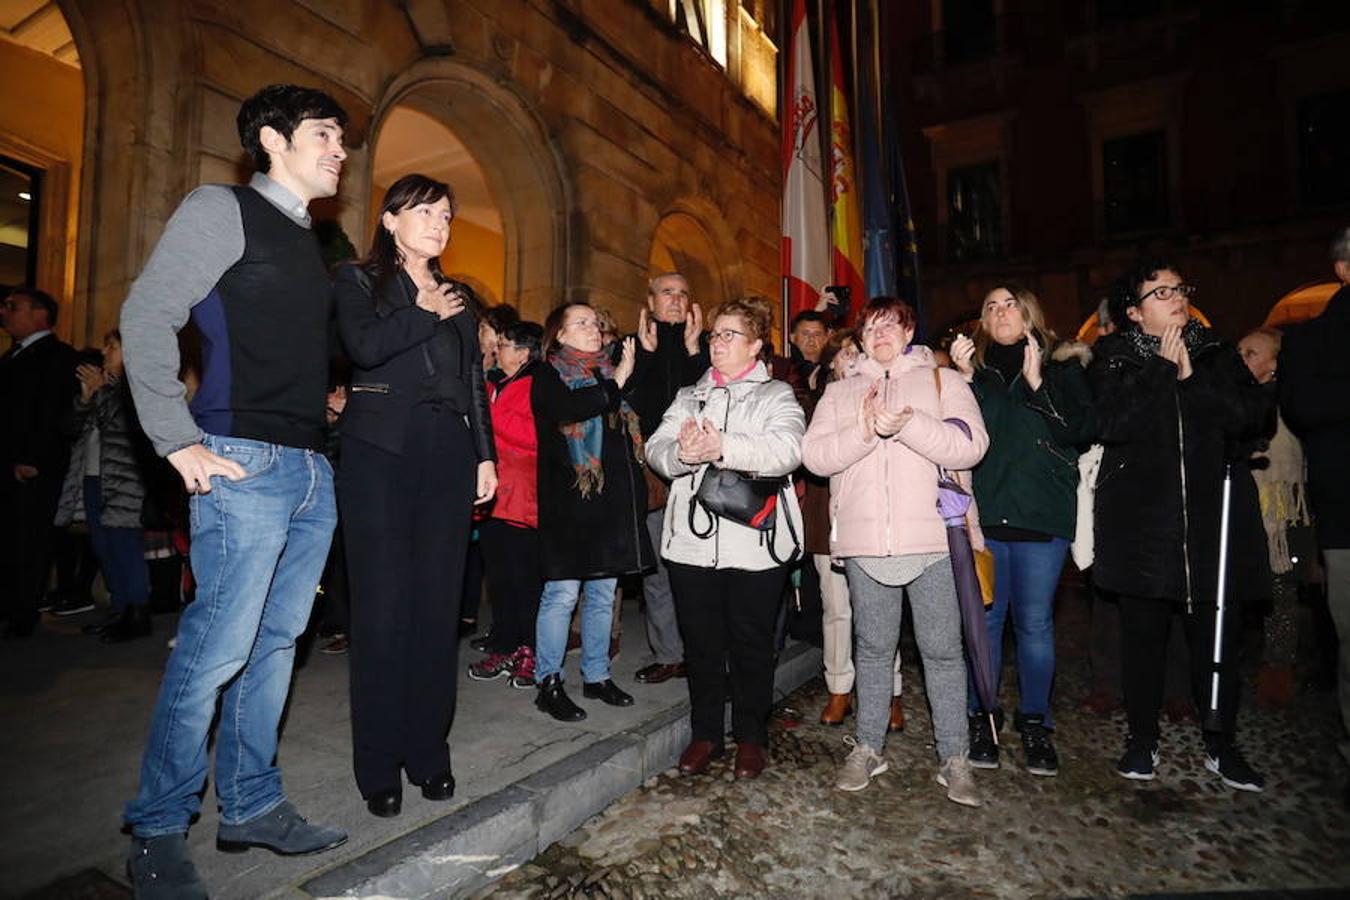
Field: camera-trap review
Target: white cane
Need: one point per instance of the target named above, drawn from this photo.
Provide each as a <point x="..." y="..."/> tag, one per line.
<point x="1212" y="722"/>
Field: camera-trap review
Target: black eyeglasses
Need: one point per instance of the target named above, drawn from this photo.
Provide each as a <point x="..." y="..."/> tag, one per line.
<point x="1167" y="291"/>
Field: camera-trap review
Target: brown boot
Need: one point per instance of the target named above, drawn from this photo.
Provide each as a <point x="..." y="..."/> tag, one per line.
<point x="897" y="722"/>
<point x="837" y="709"/>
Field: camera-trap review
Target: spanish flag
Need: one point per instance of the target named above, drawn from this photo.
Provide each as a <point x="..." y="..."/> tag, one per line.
<point x="846" y="257"/>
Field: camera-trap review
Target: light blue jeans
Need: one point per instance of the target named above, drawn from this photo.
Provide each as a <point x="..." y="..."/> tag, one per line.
<point x="258" y="551"/>
<point x="555" y="617"/>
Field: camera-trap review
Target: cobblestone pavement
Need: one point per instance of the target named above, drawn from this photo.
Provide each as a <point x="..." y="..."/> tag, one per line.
<point x="1085" y="833"/>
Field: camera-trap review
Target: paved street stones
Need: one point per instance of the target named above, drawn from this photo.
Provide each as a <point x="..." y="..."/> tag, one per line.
<point x="1086" y="833"/>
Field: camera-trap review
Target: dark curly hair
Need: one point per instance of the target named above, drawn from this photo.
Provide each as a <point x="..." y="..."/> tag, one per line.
<point x="283" y="107"/>
<point x="1125" y="290"/>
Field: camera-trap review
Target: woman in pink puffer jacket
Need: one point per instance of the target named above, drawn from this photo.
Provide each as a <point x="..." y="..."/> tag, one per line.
<point x="881" y="436"/>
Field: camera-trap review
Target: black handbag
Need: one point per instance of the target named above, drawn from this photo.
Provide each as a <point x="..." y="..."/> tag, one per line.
<point x="745" y="499"/>
<point x="750" y="501"/>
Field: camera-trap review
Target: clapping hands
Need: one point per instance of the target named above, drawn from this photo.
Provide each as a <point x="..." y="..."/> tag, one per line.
<point x="700" y="442"/>
<point x="876" y="419"/>
<point x="91" y="378"/>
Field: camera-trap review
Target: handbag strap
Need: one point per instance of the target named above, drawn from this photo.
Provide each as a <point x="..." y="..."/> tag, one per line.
<point x="792" y="532"/>
<point x="694" y="504"/>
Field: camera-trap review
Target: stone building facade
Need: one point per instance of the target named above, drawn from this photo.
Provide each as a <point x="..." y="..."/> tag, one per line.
<point x="1052" y="141"/>
<point x="616" y="136"/>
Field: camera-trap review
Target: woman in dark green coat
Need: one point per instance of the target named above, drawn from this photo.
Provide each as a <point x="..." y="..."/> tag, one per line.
<point x="1037" y="407"/>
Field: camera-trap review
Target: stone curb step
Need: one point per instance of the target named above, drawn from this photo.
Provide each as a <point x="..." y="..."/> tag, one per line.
<point x="474" y="846"/>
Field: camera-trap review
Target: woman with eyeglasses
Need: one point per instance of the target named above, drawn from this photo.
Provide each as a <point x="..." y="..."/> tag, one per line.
<point x="883" y="438"/>
<point x="1037" y="407"/>
<point x="1176" y="406"/>
<point x="728" y="577"/>
<point x="592" y="502"/>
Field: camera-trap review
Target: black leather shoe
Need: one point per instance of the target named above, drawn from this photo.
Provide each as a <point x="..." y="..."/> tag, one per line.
<point x="607" y="691"/>
<point x="385" y="804"/>
<point x="442" y="787"/>
<point x="553" y="700"/>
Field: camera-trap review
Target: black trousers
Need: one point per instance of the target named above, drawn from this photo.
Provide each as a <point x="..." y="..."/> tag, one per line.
<point x="406" y="522"/>
<point x="1145" y="624"/>
<point x="26" y="532"/>
<point x="511" y="558"/>
<point x="726" y="619"/>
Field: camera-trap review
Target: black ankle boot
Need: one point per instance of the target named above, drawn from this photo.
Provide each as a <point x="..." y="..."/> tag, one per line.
<point x="134" y="623"/>
<point x="553" y="700"/>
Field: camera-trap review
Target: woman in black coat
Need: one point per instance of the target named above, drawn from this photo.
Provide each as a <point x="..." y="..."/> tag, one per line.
<point x="417" y="454"/>
<point x="592" y="502"/>
<point x="1176" y="406"/>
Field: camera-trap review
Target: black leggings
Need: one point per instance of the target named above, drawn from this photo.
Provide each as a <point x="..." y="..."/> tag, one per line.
<point x="511" y="559"/>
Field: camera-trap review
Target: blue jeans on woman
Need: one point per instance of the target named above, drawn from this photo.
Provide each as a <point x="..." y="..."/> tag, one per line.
<point x="1026" y="574"/>
<point x="555" y="618"/>
<point x="258" y="551"/>
<point x="120" y="551"/>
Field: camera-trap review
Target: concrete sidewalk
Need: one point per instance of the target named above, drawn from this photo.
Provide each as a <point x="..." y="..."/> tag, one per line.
<point x="74" y="714"/>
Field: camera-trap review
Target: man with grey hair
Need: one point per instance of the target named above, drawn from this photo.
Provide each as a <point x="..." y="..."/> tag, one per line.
<point x="672" y="353"/>
<point x="1314" y="385"/>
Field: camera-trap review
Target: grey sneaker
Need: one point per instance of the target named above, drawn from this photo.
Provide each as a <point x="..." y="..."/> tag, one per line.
<point x="957" y="776"/>
<point x="860" y="767"/>
<point x="283" y="831"/>
<point x="160" y="868"/>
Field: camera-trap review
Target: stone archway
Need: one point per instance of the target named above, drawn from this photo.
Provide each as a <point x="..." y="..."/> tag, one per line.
<point x="133" y="63"/>
<point x="693" y="239"/>
<point x="519" y="162"/>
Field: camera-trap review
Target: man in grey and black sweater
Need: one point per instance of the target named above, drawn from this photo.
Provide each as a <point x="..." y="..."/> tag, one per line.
<point x="243" y="264"/>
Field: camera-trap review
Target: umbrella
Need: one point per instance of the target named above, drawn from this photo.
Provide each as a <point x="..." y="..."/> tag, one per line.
<point x="953" y="501"/>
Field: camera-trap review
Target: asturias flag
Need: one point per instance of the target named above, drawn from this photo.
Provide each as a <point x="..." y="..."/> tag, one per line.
<point x="846" y="258"/>
<point x="806" y="249"/>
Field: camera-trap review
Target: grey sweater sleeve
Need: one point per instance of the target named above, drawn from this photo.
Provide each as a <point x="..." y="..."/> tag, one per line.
<point x="203" y="239"/>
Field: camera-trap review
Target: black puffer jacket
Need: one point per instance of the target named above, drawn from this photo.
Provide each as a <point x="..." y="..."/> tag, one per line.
<point x="124" y="458"/>
<point x="1160" y="487"/>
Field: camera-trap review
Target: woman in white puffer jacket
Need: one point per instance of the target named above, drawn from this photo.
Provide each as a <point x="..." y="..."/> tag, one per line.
<point x="727" y="577"/>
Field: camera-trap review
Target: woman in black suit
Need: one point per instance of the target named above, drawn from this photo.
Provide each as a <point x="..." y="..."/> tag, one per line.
<point x="417" y="454"/>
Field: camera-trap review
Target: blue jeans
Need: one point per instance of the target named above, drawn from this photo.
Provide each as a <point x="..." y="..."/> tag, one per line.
<point x="1025" y="576"/>
<point x="120" y="551"/>
<point x="258" y="551"/>
<point x="555" y="616"/>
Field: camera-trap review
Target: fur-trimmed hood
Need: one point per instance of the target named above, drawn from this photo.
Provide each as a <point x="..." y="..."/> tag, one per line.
<point x="1067" y="350"/>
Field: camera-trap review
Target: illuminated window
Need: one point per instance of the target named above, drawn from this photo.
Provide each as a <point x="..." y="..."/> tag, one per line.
<point x="20" y="197"/>
<point x="974" y="212"/>
<point x="705" y="21"/>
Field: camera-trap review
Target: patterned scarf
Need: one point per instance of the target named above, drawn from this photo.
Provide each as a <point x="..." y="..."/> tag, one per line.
<point x="1196" y="336"/>
<point x="585" y="439"/>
